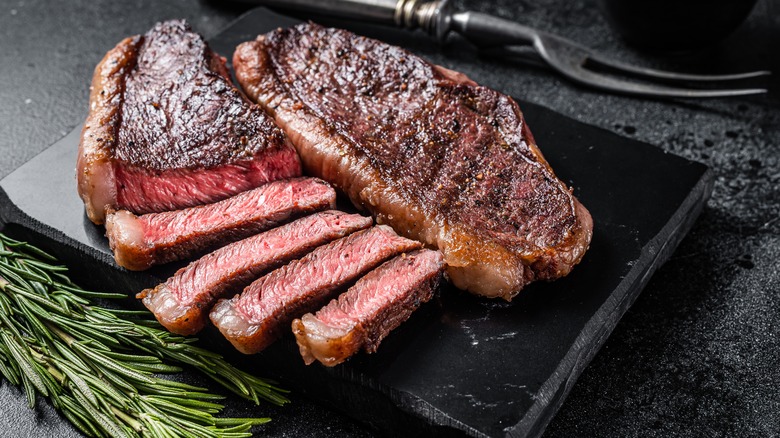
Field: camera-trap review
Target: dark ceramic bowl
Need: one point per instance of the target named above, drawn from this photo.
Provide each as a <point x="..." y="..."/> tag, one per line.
<point x="675" y="25"/>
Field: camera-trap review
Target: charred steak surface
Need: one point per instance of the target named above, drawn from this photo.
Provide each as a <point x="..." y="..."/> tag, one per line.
<point x="167" y="129"/>
<point x="425" y="149"/>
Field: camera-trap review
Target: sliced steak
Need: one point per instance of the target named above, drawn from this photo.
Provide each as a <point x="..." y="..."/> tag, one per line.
<point x="167" y="129"/>
<point x="264" y="310"/>
<point x="424" y="149"/>
<point x="366" y="313"/>
<point x="139" y="242"/>
<point x="182" y="303"/>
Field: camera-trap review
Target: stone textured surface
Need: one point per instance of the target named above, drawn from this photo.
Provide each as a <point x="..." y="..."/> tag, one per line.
<point x="698" y="352"/>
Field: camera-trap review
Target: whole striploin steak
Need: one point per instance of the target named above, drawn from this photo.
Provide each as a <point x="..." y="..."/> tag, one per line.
<point x="425" y="149"/>
<point x="167" y="129"/>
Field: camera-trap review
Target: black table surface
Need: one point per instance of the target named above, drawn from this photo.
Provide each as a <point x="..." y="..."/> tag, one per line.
<point x="698" y="353"/>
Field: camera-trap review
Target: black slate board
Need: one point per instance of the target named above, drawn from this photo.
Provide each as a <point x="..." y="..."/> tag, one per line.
<point x="486" y="368"/>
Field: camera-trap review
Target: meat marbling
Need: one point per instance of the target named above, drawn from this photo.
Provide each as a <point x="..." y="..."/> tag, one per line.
<point x="424" y="149"/>
<point x="182" y="303"/>
<point x="264" y="310"/>
<point x="365" y="314"/>
<point x="140" y="242"/>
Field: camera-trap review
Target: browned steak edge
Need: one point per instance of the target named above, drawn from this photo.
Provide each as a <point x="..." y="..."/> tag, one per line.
<point x="100" y="129"/>
<point x="327" y="154"/>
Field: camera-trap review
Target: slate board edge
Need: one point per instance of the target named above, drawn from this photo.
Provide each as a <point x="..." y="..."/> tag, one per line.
<point x="595" y="333"/>
<point x="657" y="251"/>
<point x="654" y="254"/>
<point x="416" y="410"/>
<point x="555" y="389"/>
<point x="553" y="392"/>
<point x="11" y="215"/>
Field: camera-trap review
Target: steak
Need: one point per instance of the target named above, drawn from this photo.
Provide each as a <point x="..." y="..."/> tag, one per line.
<point x="181" y="304"/>
<point x="369" y="310"/>
<point x="264" y="310"/>
<point x="167" y="129"/>
<point x="139" y="242"/>
<point x="424" y="149"/>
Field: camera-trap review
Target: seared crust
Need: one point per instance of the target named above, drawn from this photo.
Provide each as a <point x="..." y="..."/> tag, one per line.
<point x="176" y="317"/>
<point x="167" y="129"/>
<point x="425" y="150"/>
<point x="93" y="167"/>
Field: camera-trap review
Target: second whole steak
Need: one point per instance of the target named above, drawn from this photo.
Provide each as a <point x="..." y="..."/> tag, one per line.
<point x="424" y="149"/>
<point x="167" y="129"/>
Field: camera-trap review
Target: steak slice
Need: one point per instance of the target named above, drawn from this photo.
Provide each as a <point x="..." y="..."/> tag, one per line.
<point x="424" y="149"/>
<point x="264" y="310"/>
<point x="140" y="242"/>
<point x="369" y="310"/>
<point x="167" y="129"/>
<point x="181" y="304"/>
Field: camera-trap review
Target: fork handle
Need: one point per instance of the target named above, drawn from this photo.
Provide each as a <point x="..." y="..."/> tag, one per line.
<point x="377" y="11"/>
<point x="488" y="31"/>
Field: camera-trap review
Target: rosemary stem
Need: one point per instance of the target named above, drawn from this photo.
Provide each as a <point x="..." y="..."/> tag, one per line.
<point x="100" y="366"/>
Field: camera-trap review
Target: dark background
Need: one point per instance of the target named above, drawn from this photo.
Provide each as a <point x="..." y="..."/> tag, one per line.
<point x="697" y="354"/>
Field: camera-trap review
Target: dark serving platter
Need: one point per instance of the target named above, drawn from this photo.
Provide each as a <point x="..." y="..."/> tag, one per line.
<point x="460" y="364"/>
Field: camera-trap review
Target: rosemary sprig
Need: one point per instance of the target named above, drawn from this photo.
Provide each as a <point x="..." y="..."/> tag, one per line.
<point x="99" y="366"/>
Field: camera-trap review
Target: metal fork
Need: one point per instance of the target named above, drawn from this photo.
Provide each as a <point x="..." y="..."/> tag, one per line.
<point x="572" y="60"/>
<point x="565" y="56"/>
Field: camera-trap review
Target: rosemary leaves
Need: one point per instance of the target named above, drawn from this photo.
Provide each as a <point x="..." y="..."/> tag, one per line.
<point x="99" y="366"/>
